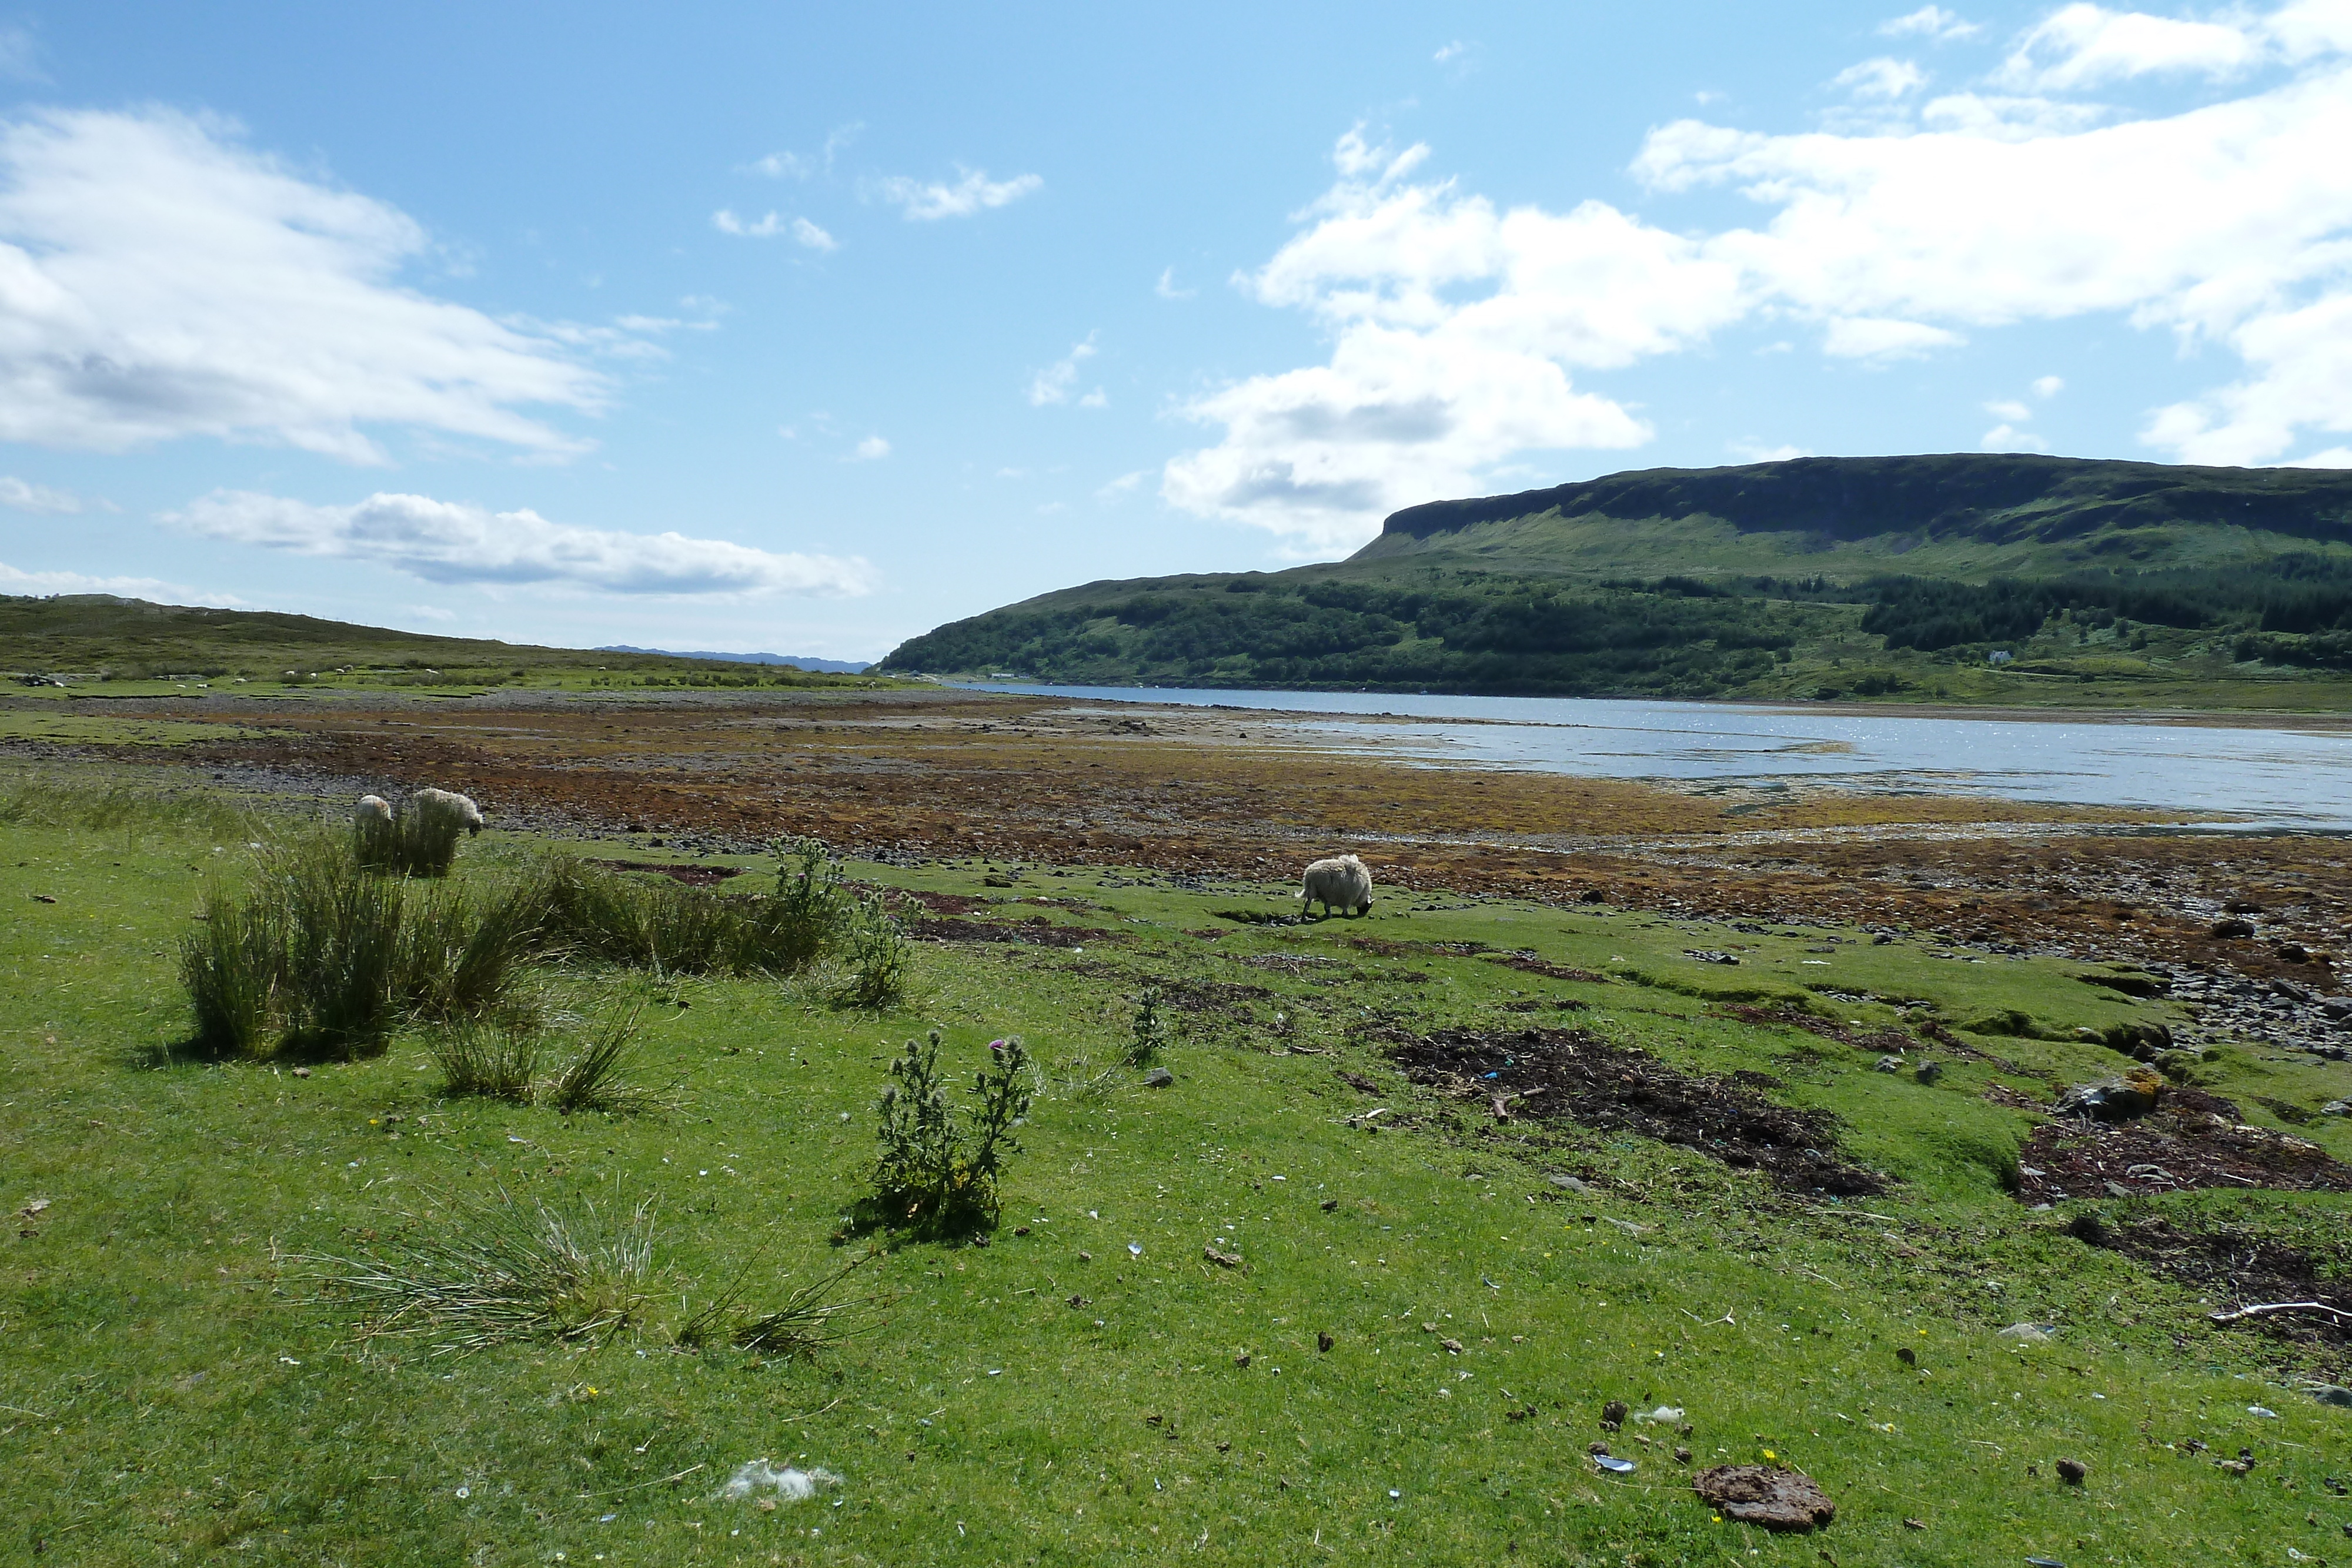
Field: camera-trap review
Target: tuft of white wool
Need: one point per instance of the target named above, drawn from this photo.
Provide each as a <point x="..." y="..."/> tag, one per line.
<point x="1340" y="883"/>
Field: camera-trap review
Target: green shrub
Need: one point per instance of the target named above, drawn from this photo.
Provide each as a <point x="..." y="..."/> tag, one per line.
<point x="937" y="1171"/>
<point x="464" y="958"/>
<point x="670" y="927"/>
<point x="1150" y="1032"/>
<point x="341" y="946"/>
<point x="879" y="957"/>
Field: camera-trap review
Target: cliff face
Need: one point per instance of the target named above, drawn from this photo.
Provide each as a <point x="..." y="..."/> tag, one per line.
<point x="1995" y="499"/>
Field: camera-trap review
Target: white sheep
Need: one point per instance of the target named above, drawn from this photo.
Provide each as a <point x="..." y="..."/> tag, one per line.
<point x="372" y="828"/>
<point x="430" y="822"/>
<point x="1340" y="883"/>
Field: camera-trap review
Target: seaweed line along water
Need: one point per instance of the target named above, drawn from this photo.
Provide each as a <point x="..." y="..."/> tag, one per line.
<point x="2298" y="778"/>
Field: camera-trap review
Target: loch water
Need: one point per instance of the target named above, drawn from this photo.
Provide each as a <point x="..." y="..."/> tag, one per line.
<point x="2247" y="777"/>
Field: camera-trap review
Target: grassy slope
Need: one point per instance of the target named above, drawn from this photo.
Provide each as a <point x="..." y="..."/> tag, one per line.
<point x="135" y="641"/>
<point x="166" y="1391"/>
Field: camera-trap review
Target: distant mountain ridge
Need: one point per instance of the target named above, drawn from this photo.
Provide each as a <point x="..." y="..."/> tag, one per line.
<point x="796" y="661"/>
<point x="1766" y="580"/>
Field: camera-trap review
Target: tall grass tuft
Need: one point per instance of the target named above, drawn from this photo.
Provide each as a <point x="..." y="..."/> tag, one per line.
<point x="464" y="958"/>
<point x="342" y="945"/>
<point x="590" y="1078"/>
<point x="38" y="800"/>
<point x="671" y="928"/>
<point x="231" y="967"/>
<point x="486" y="1271"/>
<point x="808" y="1321"/>
<point x="496" y="1061"/>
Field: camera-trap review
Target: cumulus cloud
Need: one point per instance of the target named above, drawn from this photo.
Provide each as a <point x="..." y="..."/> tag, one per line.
<point x="2048" y="386"/>
<point x="1464" y="338"/>
<point x="2084" y="46"/>
<point x="160" y="280"/>
<point x="869" y="449"/>
<point x="1928" y="22"/>
<point x="927" y="201"/>
<point x="1057" y="382"/>
<point x="2009" y="408"/>
<point x="25" y="497"/>
<point x="455" y="543"/>
<point x="2003" y="438"/>
<point x="1166" y="288"/>
<point x="1757" y="452"/>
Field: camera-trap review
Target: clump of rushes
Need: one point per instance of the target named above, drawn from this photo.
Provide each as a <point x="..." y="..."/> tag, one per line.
<point x="937" y="1171"/>
<point x="483" y="1272"/>
<point x="486" y="1059"/>
<point x="1150" y="1032"/>
<point x="501" y="1062"/>
<point x="669" y="928"/>
<point x="590" y="1078"/>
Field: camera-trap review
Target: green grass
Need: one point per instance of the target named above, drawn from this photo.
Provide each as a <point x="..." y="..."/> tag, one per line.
<point x="173" y="1388"/>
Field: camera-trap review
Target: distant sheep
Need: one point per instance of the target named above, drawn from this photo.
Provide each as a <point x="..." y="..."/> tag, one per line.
<point x="1340" y="883"/>
<point x="436" y="808"/>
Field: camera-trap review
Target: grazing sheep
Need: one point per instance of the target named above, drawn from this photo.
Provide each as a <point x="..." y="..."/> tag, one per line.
<point x="1340" y="883"/>
<point x="430" y="822"/>
<point x="372" y="828"/>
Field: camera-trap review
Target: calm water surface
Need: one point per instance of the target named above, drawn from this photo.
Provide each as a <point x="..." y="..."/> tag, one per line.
<point x="2276" y="777"/>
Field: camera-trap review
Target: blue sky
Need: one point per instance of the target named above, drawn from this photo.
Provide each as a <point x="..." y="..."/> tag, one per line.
<point x="807" y="329"/>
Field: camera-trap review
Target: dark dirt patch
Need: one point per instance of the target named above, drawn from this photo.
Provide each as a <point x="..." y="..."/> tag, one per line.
<point x="1258" y="917"/>
<point x="1356" y="1081"/>
<point x="1386" y="948"/>
<point x="1529" y="966"/>
<point x="692" y="875"/>
<point x="1877" y="1040"/>
<point x="944" y="903"/>
<point x="1036" y="933"/>
<point x="1210" y="997"/>
<point x="1573" y="1076"/>
<point x="2191" y="1140"/>
<point x="1766" y="1495"/>
<point x="2236" y="1267"/>
<point x="1295" y="964"/>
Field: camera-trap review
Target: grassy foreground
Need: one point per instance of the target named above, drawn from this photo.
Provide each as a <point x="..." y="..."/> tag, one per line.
<point x="170" y="1390"/>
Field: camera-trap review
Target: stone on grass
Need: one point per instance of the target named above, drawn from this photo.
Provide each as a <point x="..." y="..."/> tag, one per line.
<point x="2116" y="1099"/>
<point x="1159" y="1078"/>
<point x="1767" y="1495"/>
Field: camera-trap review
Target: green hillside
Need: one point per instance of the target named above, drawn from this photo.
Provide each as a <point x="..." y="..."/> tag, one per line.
<point x="1896" y="576"/>
<point x="88" y="638"/>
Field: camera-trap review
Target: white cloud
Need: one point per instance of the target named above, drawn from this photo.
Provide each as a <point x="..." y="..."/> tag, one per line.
<point x="1459" y="331"/>
<point x="25" y="497"/>
<point x="2048" y="386"/>
<point x="1928" y="21"/>
<point x="973" y="191"/>
<point x="1166" y="288"/>
<point x="1054" y="384"/>
<point x="869" y="450"/>
<point x="1757" y="452"/>
<point x="1453" y="51"/>
<point x="783" y="166"/>
<point x="725" y="221"/>
<point x="2084" y="46"/>
<point x="1125" y="485"/>
<point x="2009" y="408"/>
<point x="159" y="280"/>
<point x="432" y="613"/>
<point x="2002" y="438"/>
<point x="155" y="590"/>
<point x="1884" y="79"/>
<point x="454" y="542"/>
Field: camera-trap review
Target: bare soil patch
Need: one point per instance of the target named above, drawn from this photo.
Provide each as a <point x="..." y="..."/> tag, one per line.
<point x="2236" y="1268"/>
<point x="692" y="875"/>
<point x="2193" y="1140"/>
<point x="1038" y="932"/>
<point x="1573" y="1076"/>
